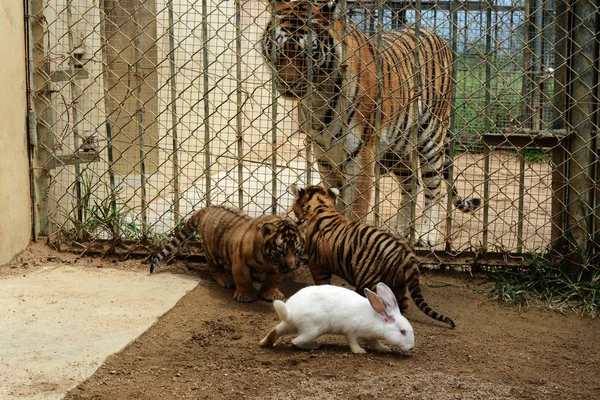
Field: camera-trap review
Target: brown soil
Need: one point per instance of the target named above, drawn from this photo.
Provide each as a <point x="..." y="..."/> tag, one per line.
<point x="207" y="348"/>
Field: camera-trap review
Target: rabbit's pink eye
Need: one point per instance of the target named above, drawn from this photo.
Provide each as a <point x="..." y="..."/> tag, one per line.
<point x="403" y="332"/>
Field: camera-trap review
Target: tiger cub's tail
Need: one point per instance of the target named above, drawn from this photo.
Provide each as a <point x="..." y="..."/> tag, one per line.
<point x="411" y="274"/>
<point x="184" y="234"/>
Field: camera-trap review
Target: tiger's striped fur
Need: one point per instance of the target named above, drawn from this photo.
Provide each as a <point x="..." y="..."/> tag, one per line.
<point x="361" y="254"/>
<point x="235" y="241"/>
<point x="308" y="66"/>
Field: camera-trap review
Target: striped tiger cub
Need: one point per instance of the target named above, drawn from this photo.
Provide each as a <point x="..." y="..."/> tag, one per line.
<point x="361" y="254"/>
<point x="237" y="245"/>
<point x="339" y="100"/>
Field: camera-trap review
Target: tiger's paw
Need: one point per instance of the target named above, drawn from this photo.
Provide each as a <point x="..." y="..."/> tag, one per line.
<point x="224" y="280"/>
<point x="427" y="240"/>
<point x="271" y="294"/>
<point x="244" y="297"/>
<point x="403" y="304"/>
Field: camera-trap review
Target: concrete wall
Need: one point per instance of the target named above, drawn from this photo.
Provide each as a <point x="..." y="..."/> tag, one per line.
<point x="15" y="206"/>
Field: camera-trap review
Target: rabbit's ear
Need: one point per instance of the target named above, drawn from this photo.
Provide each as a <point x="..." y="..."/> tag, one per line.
<point x="387" y="295"/>
<point x="378" y="305"/>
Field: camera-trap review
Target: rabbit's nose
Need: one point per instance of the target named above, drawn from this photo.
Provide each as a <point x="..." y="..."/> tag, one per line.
<point x="407" y="348"/>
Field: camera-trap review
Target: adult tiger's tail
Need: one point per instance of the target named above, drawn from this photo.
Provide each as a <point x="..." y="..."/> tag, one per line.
<point x="184" y="234"/>
<point x="465" y="206"/>
<point x="411" y="275"/>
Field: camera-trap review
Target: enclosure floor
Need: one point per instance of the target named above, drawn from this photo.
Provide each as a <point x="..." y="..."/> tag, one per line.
<point x="206" y="347"/>
<point x="62" y="316"/>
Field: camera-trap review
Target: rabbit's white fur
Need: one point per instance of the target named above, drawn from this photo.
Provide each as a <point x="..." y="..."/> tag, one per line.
<point x="326" y="309"/>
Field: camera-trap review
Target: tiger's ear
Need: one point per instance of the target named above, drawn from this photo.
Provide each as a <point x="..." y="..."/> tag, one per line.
<point x="333" y="192"/>
<point x="294" y="191"/>
<point x="328" y="7"/>
<point x="266" y="229"/>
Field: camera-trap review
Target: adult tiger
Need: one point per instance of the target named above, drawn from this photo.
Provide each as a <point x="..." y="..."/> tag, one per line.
<point x="361" y="254"/>
<point x="308" y="66"/>
<point x="237" y="245"/>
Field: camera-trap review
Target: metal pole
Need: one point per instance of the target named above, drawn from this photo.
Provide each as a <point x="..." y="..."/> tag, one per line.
<point x="206" y="122"/>
<point x="174" y="117"/>
<point x="487" y="121"/>
<point x="238" y="117"/>
<point x="41" y="138"/>
<point x="521" y="203"/>
<point x="379" y="105"/>
<point x="274" y="111"/>
<point x="559" y="117"/>
<point x="451" y="141"/>
<point x="415" y="156"/>
<point x="527" y="80"/>
<point x="581" y="183"/>
<point x="343" y="99"/>
<point x="107" y="109"/>
<point x="140" y="112"/>
<point x="537" y="117"/>
<point x="74" y="113"/>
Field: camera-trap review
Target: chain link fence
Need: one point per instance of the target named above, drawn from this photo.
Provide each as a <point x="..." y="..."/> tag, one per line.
<point x="143" y="111"/>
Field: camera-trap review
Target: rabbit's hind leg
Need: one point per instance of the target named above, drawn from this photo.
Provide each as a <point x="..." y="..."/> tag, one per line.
<point x="282" y="329"/>
<point x="306" y="340"/>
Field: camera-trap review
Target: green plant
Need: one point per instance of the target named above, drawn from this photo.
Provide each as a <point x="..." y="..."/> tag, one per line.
<point x="550" y="279"/>
<point x="101" y="218"/>
<point x="534" y="155"/>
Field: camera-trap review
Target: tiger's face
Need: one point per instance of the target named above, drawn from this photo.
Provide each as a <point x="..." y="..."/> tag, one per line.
<point x="283" y="245"/>
<point x="309" y="200"/>
<point x="297" y="51"/>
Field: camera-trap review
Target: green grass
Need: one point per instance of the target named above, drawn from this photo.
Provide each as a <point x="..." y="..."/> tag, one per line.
<point x="101" y="218"/>
<point x="550" y="281"/>
<point x="473" y="116"/>
<point x="535" y="155"/>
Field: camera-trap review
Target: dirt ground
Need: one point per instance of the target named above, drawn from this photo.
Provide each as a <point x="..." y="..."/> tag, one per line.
<point x="206" y="347"/>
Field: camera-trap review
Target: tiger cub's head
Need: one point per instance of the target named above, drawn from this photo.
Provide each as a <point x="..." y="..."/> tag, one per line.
<point x="311" y="199"/>
<point x="283" y="244"/>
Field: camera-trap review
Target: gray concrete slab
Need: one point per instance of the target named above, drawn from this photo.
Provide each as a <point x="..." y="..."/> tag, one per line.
<point x="59" y="323"/>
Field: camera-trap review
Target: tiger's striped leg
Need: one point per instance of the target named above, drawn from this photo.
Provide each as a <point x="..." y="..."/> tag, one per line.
<point x="405" y="217"/>
<point x="429" y="229"/>
<point x="270" y="288"/>
<point x="330" y="176"/>
<point x="402" y="297"/>
<point x="358" y="187"/>
<point x="218" y="273"/>
<point x="220" y="276"/>
<point x="321" y="273"/>
<point x="245" y="292"/>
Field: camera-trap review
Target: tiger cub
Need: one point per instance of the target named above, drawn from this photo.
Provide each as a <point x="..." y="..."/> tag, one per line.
<point x="361" y="254"/>
<point x="236" y="242"/>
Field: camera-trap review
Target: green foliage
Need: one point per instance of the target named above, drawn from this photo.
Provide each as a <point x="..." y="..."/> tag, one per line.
<point x="534" y="155"/>
<point x="101" y="218"/>
<point x="551" y="281"/>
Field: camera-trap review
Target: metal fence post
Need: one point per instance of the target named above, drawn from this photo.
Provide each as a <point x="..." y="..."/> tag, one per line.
<point x="41" y="116"/>
<point x="581" y="110"/>
<point x="559" y="105"/>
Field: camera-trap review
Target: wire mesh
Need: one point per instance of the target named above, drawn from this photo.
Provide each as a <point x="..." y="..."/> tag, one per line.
<point x="151" y="109"/>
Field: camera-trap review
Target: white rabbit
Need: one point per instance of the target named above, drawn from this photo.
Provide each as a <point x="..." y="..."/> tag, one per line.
<point x="325" y="309"/>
